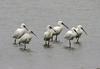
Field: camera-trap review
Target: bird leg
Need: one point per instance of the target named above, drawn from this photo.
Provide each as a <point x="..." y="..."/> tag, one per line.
<point x="14" y="42"/>
<point x="25" y="46"/>
<point x="56" y="37"/>
<point x="48" y="43"/>
<point x="78" y="40"/>
<point x="19" y="43"/>
<point x="45" y="43"/>
<point x="69" y="44"/>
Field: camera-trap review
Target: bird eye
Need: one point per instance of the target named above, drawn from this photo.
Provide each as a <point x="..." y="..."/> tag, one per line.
<point x="81" y="28"/>
<point x="31" y="31"/>
<point x="74" y="30"/>
<point x="24" y="26"/>
<point x="50" y="27"/>
<point x="62" y="23"/>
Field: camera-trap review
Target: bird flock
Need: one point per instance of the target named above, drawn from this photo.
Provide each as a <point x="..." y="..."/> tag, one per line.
<point x="23" y="35"/>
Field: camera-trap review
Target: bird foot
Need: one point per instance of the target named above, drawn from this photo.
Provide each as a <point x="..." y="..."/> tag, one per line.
<point x="45" y="44"/>
<point x="24" y="49"/>
<point x="77" y="42"/>
<point x="69" y="46"/>
<point x="51" y="40"/>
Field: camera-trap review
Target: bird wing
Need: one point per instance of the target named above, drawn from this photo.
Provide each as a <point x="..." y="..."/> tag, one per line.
<point x="18" y="33"/>
<point x="46" y="34"/>
<point x="25" y="38"/>
<point x="57" y="29"/>
<point x="68" y="35"/>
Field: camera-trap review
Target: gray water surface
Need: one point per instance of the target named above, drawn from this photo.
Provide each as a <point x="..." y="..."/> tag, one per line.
<point x="37" y="14"/>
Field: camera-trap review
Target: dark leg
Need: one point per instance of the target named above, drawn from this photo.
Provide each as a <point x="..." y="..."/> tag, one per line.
<point x="25" y="46"/>
<point x="56" y="37"/>
<point x="69" y="44"/>
<point x="77" y="39"/>
<point x="14" y="42"/>
<point x="48" y="43"/>
<point x="19" y="43"/>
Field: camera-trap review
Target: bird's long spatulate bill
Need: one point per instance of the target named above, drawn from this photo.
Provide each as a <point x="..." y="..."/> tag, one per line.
<point x="26" y="28"/>
<point x="84" y="31"/>
<point x="35" y="35"/>
<point x="66" y="26"/>
<point x="52" y="28"/>
<point x="76" y="32"/>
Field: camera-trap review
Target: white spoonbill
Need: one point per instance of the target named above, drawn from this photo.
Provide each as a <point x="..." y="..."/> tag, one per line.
<point x="48" y="35"/>
<point x="80" y="30"/>
<point x="70" y="35"/>
<point x="58" y="29"/>
<point x="26" y="38"/>
<point x="19" y="32"/>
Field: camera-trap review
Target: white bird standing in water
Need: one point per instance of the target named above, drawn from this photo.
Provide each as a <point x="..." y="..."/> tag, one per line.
<point x="80" y="30"/>
<point x="26" y="38"/>
<point x="70" y="35"/>
<point x="20" y="32"/>
<point x="48" y="35"/>
<point x="58" y="29"/>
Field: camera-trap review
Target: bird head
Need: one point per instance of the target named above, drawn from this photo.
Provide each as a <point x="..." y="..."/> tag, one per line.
<point x="62" y="23"/>
<point x="24" y="26"/>
<point x="80" y="27"/>
<point x="50" y="27"/>
<point x="74" y="29"/>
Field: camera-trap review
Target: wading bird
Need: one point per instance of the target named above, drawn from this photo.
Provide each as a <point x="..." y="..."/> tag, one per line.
<point x="70" y="35"/>
<point x="26" y="38"/>
<point x="48" y="35"/>
<point x="80" y="30"/>
<point x="20" y="32"/>
<point x="58" y="29"/>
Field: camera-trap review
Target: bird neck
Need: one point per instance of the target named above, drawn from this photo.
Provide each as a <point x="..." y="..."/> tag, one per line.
<point x="61" y="25"/>
<point x="80" y="29"/>
<point x="22" y="27"/>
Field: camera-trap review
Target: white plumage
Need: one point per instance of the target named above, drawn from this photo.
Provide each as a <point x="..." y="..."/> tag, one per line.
<point x="58" y="29"/>
<point x="80" y="30"/>
<point x="70" y="35"/>
<point x="26" y="38"/>
<point x="48" y="35"/>
<point x="20" y="32"/>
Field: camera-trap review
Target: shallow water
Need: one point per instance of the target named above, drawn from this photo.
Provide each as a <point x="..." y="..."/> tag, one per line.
<point x="37" y="14"/>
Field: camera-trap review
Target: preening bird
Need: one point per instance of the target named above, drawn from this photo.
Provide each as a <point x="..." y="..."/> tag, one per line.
<point x="58" y="29"/>
<point x="48" y="35"/>
<point x="20" y="32"/>
<point x="26" y="38"/>
<point x="70" y="35"/>
<point x="80" y="31"/>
